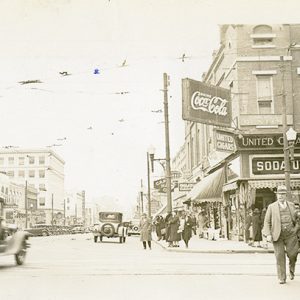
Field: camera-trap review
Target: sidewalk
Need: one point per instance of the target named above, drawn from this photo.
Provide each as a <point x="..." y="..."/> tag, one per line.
<point x="197" y="245"/>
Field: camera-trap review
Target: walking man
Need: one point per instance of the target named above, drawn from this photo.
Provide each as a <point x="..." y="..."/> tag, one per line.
<point x="280" y="228"/>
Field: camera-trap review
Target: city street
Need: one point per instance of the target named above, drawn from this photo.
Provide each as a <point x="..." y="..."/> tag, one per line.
<point x="74" y="267"/>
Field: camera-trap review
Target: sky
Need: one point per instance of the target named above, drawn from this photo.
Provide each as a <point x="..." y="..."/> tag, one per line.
<point x="131" y="43"/>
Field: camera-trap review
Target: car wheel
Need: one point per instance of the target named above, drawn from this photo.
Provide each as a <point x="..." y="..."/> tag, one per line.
<point x="129" y="234"/>
<point x="95" y="239"/>
<point x="108" y="230"/>
<point x="44" y="233"/>
<point x="20" y="256"/>
<point x="121" y="240"/>
<point x="124" y="239"/>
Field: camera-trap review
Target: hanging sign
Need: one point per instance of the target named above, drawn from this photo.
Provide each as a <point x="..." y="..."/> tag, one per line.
<point x="205" y="103"/>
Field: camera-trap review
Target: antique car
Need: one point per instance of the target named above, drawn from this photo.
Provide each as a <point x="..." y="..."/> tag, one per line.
<point x="110" y="226"/>
<point x="14" y="243"/>
<point x="134" y="227"/>
<point x="39" y="230"/>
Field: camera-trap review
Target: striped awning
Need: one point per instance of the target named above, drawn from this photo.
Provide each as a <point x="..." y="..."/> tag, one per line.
<point x="209" y="189"/>
<point x="262" y="184"/>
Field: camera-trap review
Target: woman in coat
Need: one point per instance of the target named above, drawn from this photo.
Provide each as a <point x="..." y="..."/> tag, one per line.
<point x="145" y="232"/>
<point x="187" y="228"/>
<point x="174" y="236"/>
<point x="256" y="227"/>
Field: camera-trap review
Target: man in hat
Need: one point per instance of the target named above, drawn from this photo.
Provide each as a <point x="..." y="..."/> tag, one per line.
<point x="280" y="228"/>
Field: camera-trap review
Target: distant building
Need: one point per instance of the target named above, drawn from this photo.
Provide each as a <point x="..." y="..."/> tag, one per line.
<point x="43" y="170"/>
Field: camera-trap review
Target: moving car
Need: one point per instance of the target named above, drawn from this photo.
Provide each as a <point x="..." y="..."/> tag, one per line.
<point x="14" y="243"/>
<point x="111" y="226"/>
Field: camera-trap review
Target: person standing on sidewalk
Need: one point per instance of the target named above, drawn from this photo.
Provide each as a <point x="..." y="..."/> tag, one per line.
<point x="145" y="232"/>
<point x="280" y="228"/>
<point x="186" y="228"/>
<point x="256" y="228"/>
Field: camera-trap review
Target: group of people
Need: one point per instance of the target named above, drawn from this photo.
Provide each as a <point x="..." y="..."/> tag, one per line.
<point x="176" y="226"/>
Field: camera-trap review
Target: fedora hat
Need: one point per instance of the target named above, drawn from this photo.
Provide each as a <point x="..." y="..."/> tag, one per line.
<point x="281" y="189"/>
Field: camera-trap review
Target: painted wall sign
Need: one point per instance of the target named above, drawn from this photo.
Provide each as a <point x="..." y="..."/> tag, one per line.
<point x="264" y="141"/>
<point x="161" y="185"/>
<point x="273" y="165"/>
<point x="204" y="103"/>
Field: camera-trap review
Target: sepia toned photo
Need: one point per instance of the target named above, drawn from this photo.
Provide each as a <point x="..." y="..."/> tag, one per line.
<point x="149" y="149"/>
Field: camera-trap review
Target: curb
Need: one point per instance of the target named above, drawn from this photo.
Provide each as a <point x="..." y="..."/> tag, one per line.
<point x="212" y="251"/>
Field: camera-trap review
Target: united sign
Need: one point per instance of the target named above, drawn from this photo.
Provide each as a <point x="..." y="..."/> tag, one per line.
<point x="204" y="103"/>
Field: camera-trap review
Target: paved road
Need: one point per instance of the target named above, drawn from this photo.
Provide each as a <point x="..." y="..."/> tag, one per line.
<point x="74" y="267"/>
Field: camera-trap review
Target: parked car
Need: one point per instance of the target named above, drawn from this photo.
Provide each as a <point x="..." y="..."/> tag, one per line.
<point x="110" y="226"/>
<point x="77" y="229"/>
<point x="39" y="230"/>
<point x="134" y="227"/>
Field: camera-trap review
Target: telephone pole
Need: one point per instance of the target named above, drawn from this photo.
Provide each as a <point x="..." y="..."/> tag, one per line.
<point x="26" y="205"/>
<point x="168" y="166"/>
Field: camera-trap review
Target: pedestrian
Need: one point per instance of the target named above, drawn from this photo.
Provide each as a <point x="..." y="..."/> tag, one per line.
<point x="174" y="236"/>
<point x="145" y="231"/>
<point x="157" y="224"/>
<point x="186" y="228"/>
<point x="167" y="228"/>
<point x="248" y="224"/>
<point x="264" y="239"/>
<point x="202" y="223"/>
<point x="280" y="227"/>
<point x="256" y="228"/>
<point x="193" y="223"/>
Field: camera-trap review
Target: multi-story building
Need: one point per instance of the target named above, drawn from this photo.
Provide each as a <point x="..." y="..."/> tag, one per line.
<point x="41" y="169"/>
<point x="260" y="65"/>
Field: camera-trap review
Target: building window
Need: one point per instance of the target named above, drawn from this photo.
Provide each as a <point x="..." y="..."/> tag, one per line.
<point x="21" y="173"/>
<point x="1" y="161"/>
<point x="31" y="173"/>
<point x="31" y="185"/>
<point x="31" y="160"/>
<point x="42" y="201"/>
<point x="264" y="94"/>
<point x="262" y="35"/>
<point x="10" y="160"/>
<point x="10" y="174"/>
<point x="42" y="173"/>
<point x="21" y="161"/>
<point x="42" y="187"/>
<point x="41" y="160"/>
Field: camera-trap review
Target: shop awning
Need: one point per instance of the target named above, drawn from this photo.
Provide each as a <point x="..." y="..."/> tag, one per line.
<point x="262" y="184"/>
<point x="209" y="189"/>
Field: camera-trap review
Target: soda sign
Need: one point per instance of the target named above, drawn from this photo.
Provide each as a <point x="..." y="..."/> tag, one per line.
<point x="273" y="165"/>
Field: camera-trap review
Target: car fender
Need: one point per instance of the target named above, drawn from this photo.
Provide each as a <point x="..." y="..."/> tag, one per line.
<point x="15" y="243"/>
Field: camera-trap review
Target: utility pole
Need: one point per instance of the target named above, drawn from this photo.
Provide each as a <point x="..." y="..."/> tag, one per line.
<point x="149" y="188"/>
<point x="26" y="205"/>
<point x="168" y="166"/>
<point x="64" y="212"/>
<point x="287" y="169"/>
<point x="142" y="200"/>
<point x="52" y="213"/>
<point x="83" y="207"/>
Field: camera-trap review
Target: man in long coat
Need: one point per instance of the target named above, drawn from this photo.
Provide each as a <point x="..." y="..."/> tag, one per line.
<point x="279" y="227"/>
<point x="146" y="230"/>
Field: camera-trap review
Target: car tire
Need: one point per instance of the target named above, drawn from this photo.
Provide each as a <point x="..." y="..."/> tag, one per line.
<point x="95" y="239"/>
<point x="124" y="239"/>
<point x="108" y="230"/>
<point x="129" y="234"/>
<point x="121" y="240"/>
<point x="44" y="233"/>
<point x="20" y="256"/>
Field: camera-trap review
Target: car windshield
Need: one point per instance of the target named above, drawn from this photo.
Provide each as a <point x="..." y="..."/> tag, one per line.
<point x="113" y="217"/>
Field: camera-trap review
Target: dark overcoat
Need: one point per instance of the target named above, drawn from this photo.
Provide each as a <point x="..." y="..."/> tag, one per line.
<point x="187" y="229"/>
<point x="174" y="226"/>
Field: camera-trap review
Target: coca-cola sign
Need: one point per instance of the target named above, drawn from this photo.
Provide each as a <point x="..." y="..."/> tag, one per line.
<point x="204" y="103"/>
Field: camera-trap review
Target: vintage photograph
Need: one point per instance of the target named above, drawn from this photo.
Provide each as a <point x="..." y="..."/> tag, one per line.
<point x="149" y="149"/>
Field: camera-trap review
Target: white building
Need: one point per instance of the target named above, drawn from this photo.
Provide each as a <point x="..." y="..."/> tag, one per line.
<point x="42" y="169"/>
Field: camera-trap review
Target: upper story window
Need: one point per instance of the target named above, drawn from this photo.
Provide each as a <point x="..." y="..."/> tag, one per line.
<point x="264" y="89"/>
<point x="1" y="161"/>
<point x="21" y="173"/>
<point x="31" y="160"/>
<point x="263" y="35"/>
<point x="11" y="160"/>
<point x="42" y="201"/>
<point x="42" y="173"/>
<point x="10" y="173"/>
<point x="41" y="160"/>
<point x="31" y="173"/>
<point x="21" y="161"/>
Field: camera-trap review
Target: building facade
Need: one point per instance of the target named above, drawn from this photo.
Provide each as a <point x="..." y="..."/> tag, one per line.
<point x="260" y="65"/>
<point x="41" y="169"/>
